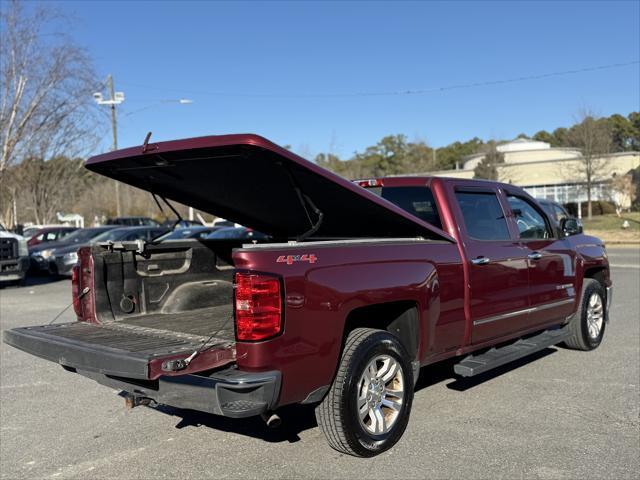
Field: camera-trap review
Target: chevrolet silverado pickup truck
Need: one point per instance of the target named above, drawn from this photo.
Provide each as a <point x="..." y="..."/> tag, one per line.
<point x="358" y="285"/>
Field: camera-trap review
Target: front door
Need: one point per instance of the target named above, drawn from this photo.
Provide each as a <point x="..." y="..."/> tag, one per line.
<point x="498" y="270"/>
<point x="551" y="262"/>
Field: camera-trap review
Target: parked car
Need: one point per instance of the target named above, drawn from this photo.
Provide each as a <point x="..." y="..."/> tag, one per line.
<point x="188" y="232"/>
<point x="42" y="253"/>
<point x="181" y="224"/>
<point x="31" y="230"/>
<point x="359" y="286"/>
<point x="237" y="233"/>
<point x="133" y="222"/>
<point x="49" y="234"/>
<point x="554" y="209"/>
<point x="63" y="259"/>
<point x="558" y="213"/>
<point x="14" y="257"/>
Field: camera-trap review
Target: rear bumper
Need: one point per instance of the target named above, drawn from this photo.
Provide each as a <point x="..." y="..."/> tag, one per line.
<point x="14" y="269"/>
<point x="230" y="392"/>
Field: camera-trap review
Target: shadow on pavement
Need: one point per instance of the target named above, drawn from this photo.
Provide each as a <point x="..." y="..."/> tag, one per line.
<point x="295" y="419"/>
<point x="442" y="371"/>
<point x="298" y="418"/>
<point x="34" y="280"/>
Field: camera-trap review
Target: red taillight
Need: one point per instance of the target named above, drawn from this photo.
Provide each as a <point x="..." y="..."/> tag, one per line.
<point x="75" y="290"/>
<point x="258" y="306"/>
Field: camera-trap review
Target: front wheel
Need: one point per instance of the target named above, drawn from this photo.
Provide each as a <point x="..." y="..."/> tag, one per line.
<point x="587" y="326"/>
<point x="366" y="410"/>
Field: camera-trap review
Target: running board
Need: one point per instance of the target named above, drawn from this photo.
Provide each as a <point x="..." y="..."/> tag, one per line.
<point x="475" y="364"/>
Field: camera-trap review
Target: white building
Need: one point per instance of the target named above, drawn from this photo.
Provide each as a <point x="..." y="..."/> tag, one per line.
<point x="551" y="173"/>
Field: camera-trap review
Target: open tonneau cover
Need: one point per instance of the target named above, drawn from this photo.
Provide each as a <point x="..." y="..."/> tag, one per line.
<point x="250" y="180"/>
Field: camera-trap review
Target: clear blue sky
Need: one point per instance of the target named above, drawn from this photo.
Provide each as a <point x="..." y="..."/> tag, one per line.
<point x="167" y="50"/>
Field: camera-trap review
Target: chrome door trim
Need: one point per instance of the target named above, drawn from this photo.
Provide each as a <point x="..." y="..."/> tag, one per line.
<point x="503" y="316"/>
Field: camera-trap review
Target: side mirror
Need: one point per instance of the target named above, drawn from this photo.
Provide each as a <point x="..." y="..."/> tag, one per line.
<point x="571" y="226"/>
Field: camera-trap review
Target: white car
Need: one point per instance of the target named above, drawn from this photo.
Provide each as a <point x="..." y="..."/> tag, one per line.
<point x="14" y="257"/>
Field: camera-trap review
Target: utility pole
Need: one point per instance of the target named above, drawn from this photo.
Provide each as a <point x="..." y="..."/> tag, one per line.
<point x="115" y="98"/>
<point x="114" y="127"/>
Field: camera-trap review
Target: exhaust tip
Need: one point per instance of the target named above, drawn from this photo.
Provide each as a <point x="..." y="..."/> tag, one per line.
<point x="272" y="419"/>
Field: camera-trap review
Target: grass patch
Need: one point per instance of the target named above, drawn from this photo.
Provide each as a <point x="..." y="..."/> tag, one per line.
<point x="609" y="227"/>
<point x="612" y="222"/>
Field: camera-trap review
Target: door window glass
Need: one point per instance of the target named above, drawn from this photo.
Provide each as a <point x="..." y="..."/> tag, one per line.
<point x="531" y="223"/>
<point x="483" y="216"/>
<point x="560" y="213"/>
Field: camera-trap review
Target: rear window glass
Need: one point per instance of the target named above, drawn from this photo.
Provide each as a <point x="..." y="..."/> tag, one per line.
<point x="418" y="201"/>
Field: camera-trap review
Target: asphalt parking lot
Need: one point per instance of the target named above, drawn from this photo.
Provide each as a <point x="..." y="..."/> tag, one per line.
<point x="561" y="414"/>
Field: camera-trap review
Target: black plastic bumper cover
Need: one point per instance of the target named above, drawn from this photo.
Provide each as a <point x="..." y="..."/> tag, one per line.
<point x="229" y="392"/>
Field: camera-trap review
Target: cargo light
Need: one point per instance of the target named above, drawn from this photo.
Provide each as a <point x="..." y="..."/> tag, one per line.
<point x="258" y="306"/>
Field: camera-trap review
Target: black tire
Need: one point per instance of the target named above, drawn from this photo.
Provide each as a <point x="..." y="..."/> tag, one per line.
<point x="337" y="415"/>
<point x="579" y="338"/>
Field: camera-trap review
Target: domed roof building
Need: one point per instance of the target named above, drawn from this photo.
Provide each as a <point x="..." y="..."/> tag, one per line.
<point x="550" y="172"/>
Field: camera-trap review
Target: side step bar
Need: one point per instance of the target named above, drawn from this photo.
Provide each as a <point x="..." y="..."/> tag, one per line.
<point x="475" y="364"/>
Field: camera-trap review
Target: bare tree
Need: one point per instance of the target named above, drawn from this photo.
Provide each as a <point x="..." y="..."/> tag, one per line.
<point x="592" y="136"/>
<point x="46" y="82"/>
<point x="44" y="188"/>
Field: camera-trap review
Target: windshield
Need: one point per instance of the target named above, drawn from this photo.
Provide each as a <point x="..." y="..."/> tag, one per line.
<point x="110" y="235"/>
<point x="181" y="233"/>
<point x="83" y="235"/>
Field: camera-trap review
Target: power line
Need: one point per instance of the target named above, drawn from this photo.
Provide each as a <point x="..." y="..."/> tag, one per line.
<point x="421" y="91"/>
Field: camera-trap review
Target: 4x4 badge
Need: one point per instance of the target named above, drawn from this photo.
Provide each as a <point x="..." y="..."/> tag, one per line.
<point x="290" y="259"/>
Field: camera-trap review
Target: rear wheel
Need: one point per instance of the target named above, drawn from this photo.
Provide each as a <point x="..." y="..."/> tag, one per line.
<point x="588" y="324"/>
<point x="366" y="410"/>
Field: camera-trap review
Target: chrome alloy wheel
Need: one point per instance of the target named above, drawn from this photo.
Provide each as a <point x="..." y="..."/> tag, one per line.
<point x="380" y="393"/>
<point x="595" y="315"/>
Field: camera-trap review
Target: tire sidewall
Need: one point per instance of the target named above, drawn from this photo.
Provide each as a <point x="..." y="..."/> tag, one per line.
<point x="362" y="441"/>
<point x="589" y="290"/>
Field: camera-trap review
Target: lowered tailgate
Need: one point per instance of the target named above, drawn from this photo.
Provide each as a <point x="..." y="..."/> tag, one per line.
<point x="119" y="350"/>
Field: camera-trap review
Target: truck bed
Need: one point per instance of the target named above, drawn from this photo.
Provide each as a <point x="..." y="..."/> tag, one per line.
<point x="200" y="323"/>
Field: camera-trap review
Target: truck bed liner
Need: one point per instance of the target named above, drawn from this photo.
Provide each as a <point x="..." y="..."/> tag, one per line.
<point x="202" y="322"/>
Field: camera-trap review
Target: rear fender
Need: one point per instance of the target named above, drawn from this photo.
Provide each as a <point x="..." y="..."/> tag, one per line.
<point x="318" y="306"/>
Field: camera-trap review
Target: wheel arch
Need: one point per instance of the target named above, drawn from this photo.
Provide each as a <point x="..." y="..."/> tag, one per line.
<point x="399" y="318"/>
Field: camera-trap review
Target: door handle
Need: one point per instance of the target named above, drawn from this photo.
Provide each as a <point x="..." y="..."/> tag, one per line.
<point x="481" y="261"/>
<point x="534" y="256"/>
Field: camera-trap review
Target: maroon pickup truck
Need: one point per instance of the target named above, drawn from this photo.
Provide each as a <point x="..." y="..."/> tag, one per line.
<point x="358" y="286"/>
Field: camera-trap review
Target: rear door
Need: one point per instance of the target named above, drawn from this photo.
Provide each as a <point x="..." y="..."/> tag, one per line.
<point x="551" y="261"/>
<point x="498" y="271"/>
